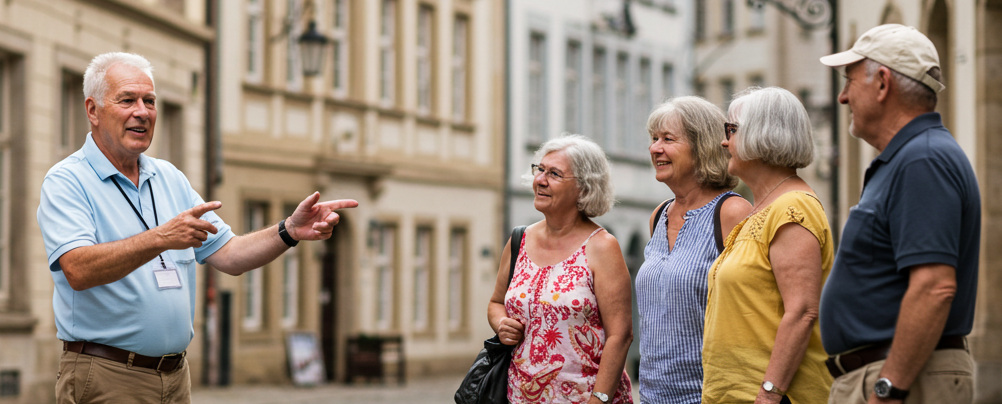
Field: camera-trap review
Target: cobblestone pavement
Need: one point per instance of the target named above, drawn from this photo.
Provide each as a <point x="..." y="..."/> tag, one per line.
<point x="431" y="390"/>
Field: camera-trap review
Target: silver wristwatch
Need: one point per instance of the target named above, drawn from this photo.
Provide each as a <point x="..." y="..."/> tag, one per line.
<point x="601" y="396"/>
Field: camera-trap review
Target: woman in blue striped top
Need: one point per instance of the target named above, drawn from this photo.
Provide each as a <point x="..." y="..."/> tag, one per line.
<point x="685" y="135"/>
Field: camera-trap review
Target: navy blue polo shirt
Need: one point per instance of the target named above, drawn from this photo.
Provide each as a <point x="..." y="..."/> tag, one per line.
<point x="920" y="205"/>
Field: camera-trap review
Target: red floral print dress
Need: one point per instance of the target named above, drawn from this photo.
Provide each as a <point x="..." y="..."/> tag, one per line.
<point x="558" y="360"/>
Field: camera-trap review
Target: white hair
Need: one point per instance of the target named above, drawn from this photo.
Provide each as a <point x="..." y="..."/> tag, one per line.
<point x="772" y="126"/>
<point x="589" y="166"/>
<point x="912" y="91"/>
<point x="95" y="86"/>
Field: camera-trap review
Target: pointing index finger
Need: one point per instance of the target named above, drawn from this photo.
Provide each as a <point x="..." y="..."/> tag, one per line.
<point x="340" y="204"/>
<point x="204" y="208"/>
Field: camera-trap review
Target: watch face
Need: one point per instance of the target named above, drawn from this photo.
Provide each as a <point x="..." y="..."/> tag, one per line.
<point x="768" y="386"/>
<point x="882" y="388"/>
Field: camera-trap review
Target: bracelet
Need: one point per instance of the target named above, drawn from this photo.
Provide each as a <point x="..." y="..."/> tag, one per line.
<point x="284" y="234"/>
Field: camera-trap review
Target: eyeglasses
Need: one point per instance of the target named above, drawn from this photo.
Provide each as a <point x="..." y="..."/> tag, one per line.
<point x="550" y="174"/>
<point x="730" y="129"/>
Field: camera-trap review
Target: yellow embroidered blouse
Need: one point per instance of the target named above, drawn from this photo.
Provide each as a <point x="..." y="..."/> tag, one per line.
<point x="744" y="308"/>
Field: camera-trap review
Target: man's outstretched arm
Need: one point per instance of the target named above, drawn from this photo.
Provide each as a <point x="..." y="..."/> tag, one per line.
<point x="312" y="220"/>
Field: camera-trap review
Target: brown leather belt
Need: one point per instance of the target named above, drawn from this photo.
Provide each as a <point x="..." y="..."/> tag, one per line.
<point x="839" y="365"/>
<point x="166" y="363"/>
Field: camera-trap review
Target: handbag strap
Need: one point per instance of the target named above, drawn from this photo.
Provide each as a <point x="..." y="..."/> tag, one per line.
<point x="516" y="246"/>
<point x="717" y="236"/>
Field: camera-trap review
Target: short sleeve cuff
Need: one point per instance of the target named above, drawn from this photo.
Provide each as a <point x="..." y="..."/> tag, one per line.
<point x="203" y="252"/>
<point x="63" y="249"/>
<point x="926" y="258"/>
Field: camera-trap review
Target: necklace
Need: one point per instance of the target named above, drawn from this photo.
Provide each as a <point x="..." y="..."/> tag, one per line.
<point x="770" y="193"/>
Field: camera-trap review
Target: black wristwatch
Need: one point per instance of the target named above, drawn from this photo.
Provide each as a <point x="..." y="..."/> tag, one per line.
<point x="284" y="234"/>
<point x="884" y="389"/>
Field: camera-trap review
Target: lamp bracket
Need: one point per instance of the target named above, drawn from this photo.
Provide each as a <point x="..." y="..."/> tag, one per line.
<point x="809" y="14"/>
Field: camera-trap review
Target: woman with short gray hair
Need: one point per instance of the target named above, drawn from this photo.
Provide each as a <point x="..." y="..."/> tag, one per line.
<point x="762" y="342"/>
<point x="569" y="295"/>
<point x="685" y="150"/>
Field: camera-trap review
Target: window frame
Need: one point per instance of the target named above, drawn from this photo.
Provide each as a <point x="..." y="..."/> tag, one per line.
<point x="340" y="30"/>
<point x="387" y="52"/>
<point x="254" y="68"/>
<point x="254" y="301"/>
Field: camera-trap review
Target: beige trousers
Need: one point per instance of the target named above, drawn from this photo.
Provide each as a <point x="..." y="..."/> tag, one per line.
<point x="946" y="378"/>
<point x="85" y="379"/>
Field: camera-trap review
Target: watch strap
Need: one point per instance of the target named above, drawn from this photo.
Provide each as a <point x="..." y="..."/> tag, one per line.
<point x="772" y="388"/>
<point x="284" y="234"/>
<point x="893" y="393"/>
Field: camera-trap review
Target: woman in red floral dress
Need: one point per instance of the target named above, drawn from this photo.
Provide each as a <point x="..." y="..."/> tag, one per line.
<point x="568" y="306"/>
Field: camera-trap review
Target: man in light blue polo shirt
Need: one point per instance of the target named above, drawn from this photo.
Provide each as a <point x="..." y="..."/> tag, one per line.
<point x="123" y="231"/>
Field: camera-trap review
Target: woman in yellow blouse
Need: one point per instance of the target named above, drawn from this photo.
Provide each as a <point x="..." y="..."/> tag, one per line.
<point x="762" y="342"/>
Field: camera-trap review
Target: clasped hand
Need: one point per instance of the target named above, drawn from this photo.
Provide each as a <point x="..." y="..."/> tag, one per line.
<point x="510" y="331"/>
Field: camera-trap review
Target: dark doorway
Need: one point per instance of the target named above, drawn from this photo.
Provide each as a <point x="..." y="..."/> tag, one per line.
<point x="328" y="303"/>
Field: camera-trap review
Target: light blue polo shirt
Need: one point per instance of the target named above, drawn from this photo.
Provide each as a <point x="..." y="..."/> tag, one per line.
<point x="80" y="206"/>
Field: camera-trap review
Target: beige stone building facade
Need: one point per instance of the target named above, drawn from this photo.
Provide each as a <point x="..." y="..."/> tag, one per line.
<point x="968" y="36"/>
<point x="407" y="118"/>
<point x="45" y="45"/>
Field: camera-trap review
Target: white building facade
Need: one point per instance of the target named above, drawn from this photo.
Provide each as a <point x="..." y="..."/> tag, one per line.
<point x="597" y="68"/>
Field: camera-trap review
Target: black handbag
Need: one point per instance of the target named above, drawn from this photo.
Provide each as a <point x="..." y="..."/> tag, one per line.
<point x="487" y="380"/>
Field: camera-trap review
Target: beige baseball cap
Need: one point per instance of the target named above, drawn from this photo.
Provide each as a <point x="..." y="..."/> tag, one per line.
<point x="903" y="49"/>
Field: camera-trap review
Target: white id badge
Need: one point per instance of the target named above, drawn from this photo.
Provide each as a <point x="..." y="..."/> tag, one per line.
<point x="167" y="278"/>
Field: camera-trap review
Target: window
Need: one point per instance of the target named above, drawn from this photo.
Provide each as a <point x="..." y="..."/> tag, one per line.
<point x="599" y="101"/>
<point x="253" y="281"/>
<point x="727" y="91"/>
<point x="385" y="267"/>
<point x="290" y="281"/>
<point x="459" y="68"/>
<point x="339" y="47"/>
<point x="537" y="87"/>
<point x="73" y="122"/>
<point x="667" y="81"/>
<point x="700" y="20"/>
<point x="641" y="107"/>
<point x="255" y="40"/>
<point x="293" y="61"/>
<point x="425" y="39"/>
<point x="169" y="134"/>
<point x="387" y="53"/>
<point x="457" y="267"/>
<point x="422" y="278"/>
<point x="756" y="81"/>
<point x="572" y="88"/>
<point x="756" y="17"/>
<point x="727" y="12"/>
<point x="622" y="90"/>
<point x="700" y="88"/>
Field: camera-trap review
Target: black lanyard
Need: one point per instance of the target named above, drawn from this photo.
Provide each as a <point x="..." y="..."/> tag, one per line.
<point x="155" y="219"/>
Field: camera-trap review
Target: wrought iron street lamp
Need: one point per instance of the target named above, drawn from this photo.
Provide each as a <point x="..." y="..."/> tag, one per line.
<point x="313" y="49"/>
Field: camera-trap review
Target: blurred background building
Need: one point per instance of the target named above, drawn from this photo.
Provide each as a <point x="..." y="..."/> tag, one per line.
<point x="427" y="112"/>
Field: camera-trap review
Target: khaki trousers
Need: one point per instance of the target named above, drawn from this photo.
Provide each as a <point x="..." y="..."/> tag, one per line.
<point x="946" y="378"/>
<point x="85" y="379"/>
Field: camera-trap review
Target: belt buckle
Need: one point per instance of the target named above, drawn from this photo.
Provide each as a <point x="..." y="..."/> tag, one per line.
<point x="179" y="357"/>
<point x="838" y="364"/>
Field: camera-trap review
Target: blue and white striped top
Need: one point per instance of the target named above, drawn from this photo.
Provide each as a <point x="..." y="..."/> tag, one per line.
<point x="671" y="299"/>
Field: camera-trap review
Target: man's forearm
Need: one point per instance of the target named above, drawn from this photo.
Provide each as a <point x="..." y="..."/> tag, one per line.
<point x="249" y="251"/>
<point x="101" y="264"/>
<point x="924" y="310"/>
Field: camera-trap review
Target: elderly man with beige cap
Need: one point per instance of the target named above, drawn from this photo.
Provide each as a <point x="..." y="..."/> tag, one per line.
<point x="900" y="298"/>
